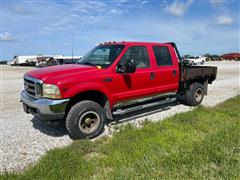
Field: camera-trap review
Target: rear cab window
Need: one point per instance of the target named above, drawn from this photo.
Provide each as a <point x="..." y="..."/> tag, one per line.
<point x="162" y="56"/>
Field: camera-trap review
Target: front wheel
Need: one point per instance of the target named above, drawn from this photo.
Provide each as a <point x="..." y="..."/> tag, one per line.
<point x="195" y="95"/>
<point x="85" y="119"/>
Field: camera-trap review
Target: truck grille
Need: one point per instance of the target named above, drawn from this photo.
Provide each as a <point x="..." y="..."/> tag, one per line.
<point x="33" y="87"/>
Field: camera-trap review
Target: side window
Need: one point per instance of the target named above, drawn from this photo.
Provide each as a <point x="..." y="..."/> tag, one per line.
<point x="139" y="54"/>
<point x="162" y="56"/>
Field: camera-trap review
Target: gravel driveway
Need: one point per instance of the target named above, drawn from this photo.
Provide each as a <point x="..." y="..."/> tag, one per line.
<point x="25" y="139"/>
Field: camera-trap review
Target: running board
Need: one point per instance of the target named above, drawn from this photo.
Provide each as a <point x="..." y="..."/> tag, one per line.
<point x="143" y="106"/>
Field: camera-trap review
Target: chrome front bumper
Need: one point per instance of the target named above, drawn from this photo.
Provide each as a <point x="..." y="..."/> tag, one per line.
<point x="45" y="109"/>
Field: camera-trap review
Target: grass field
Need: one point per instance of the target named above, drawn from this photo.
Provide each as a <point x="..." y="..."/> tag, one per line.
<point x="204" y="143"/>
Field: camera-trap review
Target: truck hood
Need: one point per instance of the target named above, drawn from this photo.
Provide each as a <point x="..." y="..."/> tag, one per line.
<point x="60" y="71"/>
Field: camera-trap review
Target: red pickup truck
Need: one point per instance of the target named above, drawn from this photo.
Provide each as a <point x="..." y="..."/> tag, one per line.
<point x="113" y="78"/>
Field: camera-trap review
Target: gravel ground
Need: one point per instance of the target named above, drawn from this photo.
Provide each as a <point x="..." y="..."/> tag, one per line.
<point x="25" y="139"/>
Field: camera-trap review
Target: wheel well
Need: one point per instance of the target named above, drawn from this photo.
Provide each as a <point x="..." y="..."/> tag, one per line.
<point x="201" y="80"/>
<point x="95" y="96"/>
<point x="186" y="85"/>
<point x="204" y="82"/>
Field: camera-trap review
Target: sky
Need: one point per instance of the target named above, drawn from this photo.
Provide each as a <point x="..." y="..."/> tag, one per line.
<point x="58" y="26"/>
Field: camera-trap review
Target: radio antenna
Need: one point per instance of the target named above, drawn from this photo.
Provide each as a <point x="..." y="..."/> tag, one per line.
<point x="72" y="46"/>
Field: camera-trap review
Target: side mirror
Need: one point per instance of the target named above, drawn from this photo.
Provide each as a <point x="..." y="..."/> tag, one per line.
<point x="128" y="67"/>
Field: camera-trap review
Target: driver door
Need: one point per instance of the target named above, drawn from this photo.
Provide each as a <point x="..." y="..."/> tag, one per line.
<point x="134" y="85"/>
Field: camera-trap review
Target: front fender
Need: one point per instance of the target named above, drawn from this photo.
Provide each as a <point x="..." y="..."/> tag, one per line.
<point x="89" y="86"/>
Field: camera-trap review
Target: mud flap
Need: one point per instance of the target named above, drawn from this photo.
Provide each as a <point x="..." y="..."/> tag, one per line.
<point x="205" y="87"/>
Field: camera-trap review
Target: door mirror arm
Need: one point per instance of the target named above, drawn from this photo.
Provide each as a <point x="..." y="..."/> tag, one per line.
<point x="128" y="67"/>
<point x="121" y="68"/>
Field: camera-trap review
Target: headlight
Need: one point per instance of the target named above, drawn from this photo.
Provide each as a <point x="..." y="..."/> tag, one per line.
<point x="51" y="91"/>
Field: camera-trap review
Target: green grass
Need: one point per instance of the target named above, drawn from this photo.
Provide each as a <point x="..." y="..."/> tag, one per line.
<point x="203" y="143"/>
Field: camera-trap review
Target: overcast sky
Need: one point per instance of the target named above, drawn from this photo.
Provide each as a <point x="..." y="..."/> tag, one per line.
<point x="47" y="27"/>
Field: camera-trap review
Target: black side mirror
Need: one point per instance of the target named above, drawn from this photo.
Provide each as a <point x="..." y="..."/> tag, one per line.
<point x="128" y="67"/>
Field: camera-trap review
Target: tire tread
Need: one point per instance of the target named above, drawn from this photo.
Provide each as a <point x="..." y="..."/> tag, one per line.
<point x="71" y="121"/>
<point x="189" y="96"/>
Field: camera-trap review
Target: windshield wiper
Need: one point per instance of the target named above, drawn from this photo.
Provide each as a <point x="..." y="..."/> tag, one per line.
<point x="86" y="63"/>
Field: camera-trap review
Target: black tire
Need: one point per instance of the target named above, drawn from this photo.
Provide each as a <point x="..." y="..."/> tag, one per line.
<point x="79" y="121"/>
<point x="195" y="95"/>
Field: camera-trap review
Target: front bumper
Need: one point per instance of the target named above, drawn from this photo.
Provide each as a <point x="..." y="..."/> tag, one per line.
<point x="45" y="109"/>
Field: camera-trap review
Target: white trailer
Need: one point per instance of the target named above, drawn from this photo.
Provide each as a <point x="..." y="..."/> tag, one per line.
<point x="24" y="60"/>
<point x="68" y="59"/>
<point x="41" y="60"/>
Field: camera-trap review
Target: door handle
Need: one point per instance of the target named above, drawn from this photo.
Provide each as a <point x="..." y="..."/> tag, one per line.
<point x="152" y="76"/>
<point x="174" y="72"/>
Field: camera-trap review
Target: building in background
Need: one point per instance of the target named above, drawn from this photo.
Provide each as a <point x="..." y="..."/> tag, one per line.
<point x="44" y="60"/>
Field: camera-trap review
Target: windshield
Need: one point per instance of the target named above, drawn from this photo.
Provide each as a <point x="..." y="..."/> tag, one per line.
<point x="102" y="56"/>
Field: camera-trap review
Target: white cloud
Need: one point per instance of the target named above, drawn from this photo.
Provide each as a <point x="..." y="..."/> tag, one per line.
<point x="65" y="44"/>
<point x="5" y="37"/>
<point x="217" y="2"/>
<point x="144" y="2"/>
<point x="116" y="11"/>
<point x="192" y="37"/>
<point x="178" y="8"/>
<point x="21" y="10"/>
<point x="122" y="1"/>
<point x="224" y="20"/>
<point x="88" y="7"/>
<point x="86" y="13"/>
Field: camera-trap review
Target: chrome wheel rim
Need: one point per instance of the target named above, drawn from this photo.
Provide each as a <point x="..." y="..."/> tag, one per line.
<point x="89" y="122"/>
<point x="198" y="94"/>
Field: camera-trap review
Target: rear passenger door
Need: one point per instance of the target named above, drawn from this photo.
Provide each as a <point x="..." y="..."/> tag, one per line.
<point x="166" y="69"/>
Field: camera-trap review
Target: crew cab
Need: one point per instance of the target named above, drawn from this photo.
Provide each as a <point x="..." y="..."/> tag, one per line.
<point x="113" y="78"/>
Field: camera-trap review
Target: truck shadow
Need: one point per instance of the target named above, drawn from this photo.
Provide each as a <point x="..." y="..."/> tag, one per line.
<point x="57" y="128"/>
<point x="118" y="119"/>
<point x="52" y="128"/>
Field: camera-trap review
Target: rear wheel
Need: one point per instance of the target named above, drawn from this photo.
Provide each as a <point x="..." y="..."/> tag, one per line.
<point x="195" y="95"/>
<point x="85" y="119"/>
